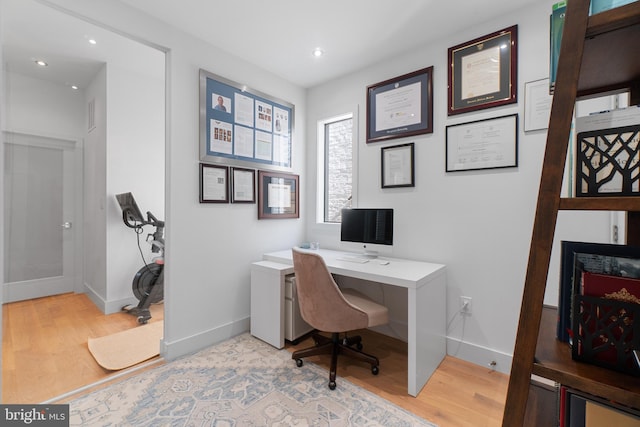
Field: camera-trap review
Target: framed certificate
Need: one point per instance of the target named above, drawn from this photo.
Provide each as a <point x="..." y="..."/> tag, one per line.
<point x="397" y="166"/>
<point x="537" y="105"/>
<point x="243" y="185"/>
<point x="483" y="72"/>
<point x="483" y="144"/>
<point x="399" y="107"/>
<point x="278" y="195"/>
<point x="214" y="184"/>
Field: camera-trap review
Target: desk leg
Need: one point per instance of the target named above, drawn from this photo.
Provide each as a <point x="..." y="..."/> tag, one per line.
<point x="267" y="305"/>
<point x="426" y="332"/>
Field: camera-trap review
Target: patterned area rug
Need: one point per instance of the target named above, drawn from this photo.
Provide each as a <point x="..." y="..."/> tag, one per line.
<point x="240" y="382"/>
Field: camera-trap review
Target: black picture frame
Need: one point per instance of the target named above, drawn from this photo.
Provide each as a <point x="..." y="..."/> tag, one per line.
<point x="482" y="144"/>
<point x="278" y="195"/>
<point x="483" y="72"/>
<point x="397" y="166"/>
<point x="387" y="118"/>
<point x="243" y="185"/>
<point x="214" y="183"/>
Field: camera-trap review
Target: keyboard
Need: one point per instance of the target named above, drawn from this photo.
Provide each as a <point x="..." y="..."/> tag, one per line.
<point x="357" y="259"/>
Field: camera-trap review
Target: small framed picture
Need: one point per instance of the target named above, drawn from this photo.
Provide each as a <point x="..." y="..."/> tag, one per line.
<point x="214" y="183"/>
<point x="537" y="105"/>
<point x="278" y="195"/>
<point x="243" y="185"/>
<point x="397" y="166"/>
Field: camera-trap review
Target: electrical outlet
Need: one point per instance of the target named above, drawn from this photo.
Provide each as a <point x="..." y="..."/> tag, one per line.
<point x="465" y="305"/>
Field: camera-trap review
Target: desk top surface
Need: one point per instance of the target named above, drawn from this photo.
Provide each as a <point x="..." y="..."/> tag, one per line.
<point x="399" y="272"/>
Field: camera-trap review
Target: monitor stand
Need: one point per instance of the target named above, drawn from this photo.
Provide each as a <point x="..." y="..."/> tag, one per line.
<point x="367" y="253"/>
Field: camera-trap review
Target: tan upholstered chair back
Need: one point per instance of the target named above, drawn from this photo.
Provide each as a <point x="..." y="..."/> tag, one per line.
<point x="322" y="305"/>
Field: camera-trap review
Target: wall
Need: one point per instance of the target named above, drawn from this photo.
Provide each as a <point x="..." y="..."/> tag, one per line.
<point x="42" y="108"/>
<point x="478" y="223"/>
<point x="135" y="161"/>
<point x="95" y="174"/>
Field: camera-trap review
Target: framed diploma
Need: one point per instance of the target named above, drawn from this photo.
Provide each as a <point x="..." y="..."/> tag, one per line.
<point x="400" y="107"/>
<point x="483" y="72"/>
<point x="214" y="184"/>
<point x="397" y="166"/>
<point x="278" y="195"/>
<point x="243" y="185"/>
<point x="483" y="144"/>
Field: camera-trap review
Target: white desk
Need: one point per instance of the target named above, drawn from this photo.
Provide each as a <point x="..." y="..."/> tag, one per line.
<point x="426" y="303"/>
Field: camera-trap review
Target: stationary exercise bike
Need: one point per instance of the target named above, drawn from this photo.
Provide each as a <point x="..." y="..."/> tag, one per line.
<point x="148" y="282"/>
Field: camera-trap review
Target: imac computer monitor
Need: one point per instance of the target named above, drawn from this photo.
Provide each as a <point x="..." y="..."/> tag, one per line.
<point x="367" y="226"/>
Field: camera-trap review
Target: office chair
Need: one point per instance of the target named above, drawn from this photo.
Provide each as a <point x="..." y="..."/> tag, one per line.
<point x="328" y="309"/>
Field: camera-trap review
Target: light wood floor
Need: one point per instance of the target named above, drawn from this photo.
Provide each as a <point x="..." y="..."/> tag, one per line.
<point x="458" y="394"/>
<point x="44" y="345"/>
<point x="44" y="355"/>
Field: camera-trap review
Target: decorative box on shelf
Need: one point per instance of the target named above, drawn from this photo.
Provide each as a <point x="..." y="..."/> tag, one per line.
<point x="604" y="330"/>
<point x="608" y="153"/>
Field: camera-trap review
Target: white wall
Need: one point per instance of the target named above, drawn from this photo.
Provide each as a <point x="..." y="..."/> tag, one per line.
<point x="478" y="223"/>
<point x="135" y="162"/>
<point x="95" y="183"/>
<point x="42" y="108"/>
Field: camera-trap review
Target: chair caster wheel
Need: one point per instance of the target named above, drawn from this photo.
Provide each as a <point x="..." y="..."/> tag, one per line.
<point x="375" y="370"/>
<point x="359" y="346"/>
<point x="332" y="385"/>
<point x="142" y="320"/>
<point x="299" y="362"/>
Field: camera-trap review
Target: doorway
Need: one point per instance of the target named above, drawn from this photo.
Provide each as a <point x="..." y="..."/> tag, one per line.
<point x="55" y="133"/>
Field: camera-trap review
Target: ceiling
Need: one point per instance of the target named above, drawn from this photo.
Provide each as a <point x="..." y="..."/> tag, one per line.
<point x="32" y="31"/>
<point x="277" y="36"/>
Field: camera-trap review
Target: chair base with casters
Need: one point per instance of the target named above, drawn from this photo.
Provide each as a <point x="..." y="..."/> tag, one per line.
<point x="336" y="346"/>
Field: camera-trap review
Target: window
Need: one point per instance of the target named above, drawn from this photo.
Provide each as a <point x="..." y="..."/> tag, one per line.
<point x="335" y="167"/>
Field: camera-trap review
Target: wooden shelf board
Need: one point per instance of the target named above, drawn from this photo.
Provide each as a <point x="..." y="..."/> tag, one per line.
<point x="608" y="34"/>
<point x="553" y="361"/>
<point x="631" y="203"/>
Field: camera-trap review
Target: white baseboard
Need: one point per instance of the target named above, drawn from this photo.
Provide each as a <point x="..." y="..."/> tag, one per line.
<point x="479" y="355"/>
<point x="188" y="345"/>
<point x="108" y="307"/>
<point x="472" y="353"/>
<point x="95" y="298"/>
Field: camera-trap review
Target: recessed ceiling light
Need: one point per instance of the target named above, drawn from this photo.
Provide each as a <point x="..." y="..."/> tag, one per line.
<point x="317" y="52"/>
<point x="74" y="87"/>
<point x="41" y="63"/>
<point x="92" y="41"/>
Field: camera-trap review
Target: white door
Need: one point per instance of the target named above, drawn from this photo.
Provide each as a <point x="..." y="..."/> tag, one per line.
<point x="39" y="201"/>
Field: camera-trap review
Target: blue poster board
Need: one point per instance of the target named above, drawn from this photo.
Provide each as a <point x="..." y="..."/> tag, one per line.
<point x="242" y="127"/>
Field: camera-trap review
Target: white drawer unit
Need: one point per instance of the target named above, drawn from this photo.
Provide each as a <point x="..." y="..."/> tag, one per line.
<point x="294" y="324"/>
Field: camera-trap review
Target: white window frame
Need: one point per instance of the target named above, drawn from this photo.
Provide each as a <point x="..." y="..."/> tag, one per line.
<point x="320" y="176"/>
